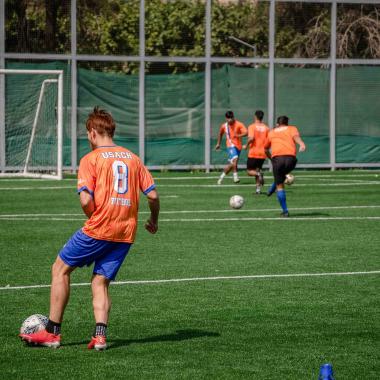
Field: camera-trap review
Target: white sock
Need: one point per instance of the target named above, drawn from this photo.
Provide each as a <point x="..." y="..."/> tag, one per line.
<point x="235" y="175"/>
<point x="222" y="175"/>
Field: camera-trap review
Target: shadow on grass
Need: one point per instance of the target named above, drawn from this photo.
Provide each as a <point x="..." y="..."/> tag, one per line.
<point x="179" y="335"/>
<point x="308" y="214"/>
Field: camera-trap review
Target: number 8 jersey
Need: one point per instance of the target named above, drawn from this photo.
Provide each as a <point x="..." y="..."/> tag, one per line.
<point x="114" y="177"/>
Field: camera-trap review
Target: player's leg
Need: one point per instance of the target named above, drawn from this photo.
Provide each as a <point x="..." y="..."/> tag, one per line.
<point x="281" y="197"/>
<point x="235" y="169"/>
<point x="272" y="187"/>
<point x="234" y="159"/>
<point x="256" y="166"/>
<point x="225" y="172"/>
<point x="59" y="294"/>
<point x="101" y="302"/>
<point x="232" y="155"/>
<point x="105" y="270"/>
<point x="284" y="166"/>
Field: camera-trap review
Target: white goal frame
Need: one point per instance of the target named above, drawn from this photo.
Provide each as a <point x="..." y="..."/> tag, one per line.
<point x="59" y="80"/>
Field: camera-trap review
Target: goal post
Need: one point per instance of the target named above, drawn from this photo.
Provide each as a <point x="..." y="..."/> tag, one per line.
<point x="31" y="127"/>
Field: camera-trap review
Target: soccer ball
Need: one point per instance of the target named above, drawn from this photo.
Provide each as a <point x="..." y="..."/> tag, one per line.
<point x="289" y="179"/>
<point x="236" y="201"/>
<point x="34" y="323"/>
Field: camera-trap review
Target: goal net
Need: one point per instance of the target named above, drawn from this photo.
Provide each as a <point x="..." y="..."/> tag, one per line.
<point x="31" y="117"/>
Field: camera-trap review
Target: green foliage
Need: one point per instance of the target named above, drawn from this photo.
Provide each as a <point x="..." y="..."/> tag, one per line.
<point x="177" y="28"/>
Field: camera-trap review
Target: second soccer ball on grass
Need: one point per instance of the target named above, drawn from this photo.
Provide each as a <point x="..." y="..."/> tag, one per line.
<point x="236" y="201"/>
<point x="289" y="179"/>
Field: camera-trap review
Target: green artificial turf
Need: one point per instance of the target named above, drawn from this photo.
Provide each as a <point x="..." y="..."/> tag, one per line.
<point x="205" y="312"/>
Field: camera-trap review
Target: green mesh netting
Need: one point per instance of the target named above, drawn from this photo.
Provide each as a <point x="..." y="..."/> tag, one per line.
<point x="174" y="109"/>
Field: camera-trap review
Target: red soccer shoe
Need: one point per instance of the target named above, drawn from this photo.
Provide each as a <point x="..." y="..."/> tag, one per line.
<point x="42" y="338"/>
<point x="98" y="343"/>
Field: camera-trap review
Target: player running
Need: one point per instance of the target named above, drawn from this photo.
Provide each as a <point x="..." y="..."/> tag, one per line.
<point x="257" y="135"/>
<point x="282" y="142"/>
<point x="234" y="131"/>
<point x="110" y="179"/>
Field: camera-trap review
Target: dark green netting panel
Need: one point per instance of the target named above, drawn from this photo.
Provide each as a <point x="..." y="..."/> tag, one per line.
<point x="118" y="94"/>
<point x="174" y="119"/>
<point x="242" y="90"/>
<point x="21" y="100"/>
<point x="302" y="94"/>
<point x="358" y="114"/>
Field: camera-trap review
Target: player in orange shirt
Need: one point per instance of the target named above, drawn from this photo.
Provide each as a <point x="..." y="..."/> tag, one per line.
<point x="282" y="142"/>
<point x="110" y="179"/>
<point x="257" y="135"/>
<point x="234" y="131"/>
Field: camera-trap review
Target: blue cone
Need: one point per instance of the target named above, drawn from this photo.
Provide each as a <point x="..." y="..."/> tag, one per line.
<point x="326" y="372"/>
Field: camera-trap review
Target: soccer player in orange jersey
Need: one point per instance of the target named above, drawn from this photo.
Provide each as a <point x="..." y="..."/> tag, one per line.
<point x="282" y="142"/>
<point x="110" y="180"/>
<point x="234" y="131"/>
<point x="257" y="135"/>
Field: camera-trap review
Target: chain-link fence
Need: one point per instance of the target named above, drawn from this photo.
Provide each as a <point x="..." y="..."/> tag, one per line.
<point x="169" y="69"/>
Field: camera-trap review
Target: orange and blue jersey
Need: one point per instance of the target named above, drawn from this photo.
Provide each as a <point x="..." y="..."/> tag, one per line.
<point x="259" y="132"/>
<point x="114" y="176"/>
<point x="281" y="141"/>
<point x="231" y="132"/>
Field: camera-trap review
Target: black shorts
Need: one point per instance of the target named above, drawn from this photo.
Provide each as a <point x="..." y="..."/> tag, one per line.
<point x="255" y="163"/>
<point x="282" y="165"/>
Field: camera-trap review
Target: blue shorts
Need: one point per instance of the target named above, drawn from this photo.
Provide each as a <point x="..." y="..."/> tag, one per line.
<point x="233" y="153"/>
<point x="83" y="250"/>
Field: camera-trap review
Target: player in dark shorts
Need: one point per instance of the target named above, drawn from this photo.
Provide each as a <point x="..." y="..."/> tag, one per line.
<point x="281" y="147"/>
<point x="257" y="136"/>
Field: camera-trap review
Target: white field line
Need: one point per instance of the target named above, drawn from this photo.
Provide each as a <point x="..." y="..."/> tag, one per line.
<point x="198" y="279"/>
<point x="352" y="183"/>
<point x="198" y="220"/>
<point x="352" y="207"/>
<point x="274" y="219"/>
<point x="236" y="186"/>
<point x="369" y="173"/>
<point x="303" y="176"/>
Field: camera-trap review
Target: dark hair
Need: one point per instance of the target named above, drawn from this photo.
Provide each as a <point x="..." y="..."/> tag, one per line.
<point x="229" y="115"/>
<point x="101" y="121"/>
<point x="282" y="120"/>
<point x="259" y="115"/>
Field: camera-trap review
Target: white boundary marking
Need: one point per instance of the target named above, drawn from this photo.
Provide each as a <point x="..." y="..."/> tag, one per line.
<point x="305" y="218"/>
<point x="195" y="279"/>
<point x="210" y="211"/>
<point x="358" y="183"/>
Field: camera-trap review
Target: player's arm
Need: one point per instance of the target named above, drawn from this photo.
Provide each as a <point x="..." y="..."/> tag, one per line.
<point x="220" y="135"/>
<point x="87" y="203"/>
<point x="154" y="205"/>
<point x="242" y="132"/>
<point x="297" y="139"/>
<point x="267" y="146"/>
<point x="249" y="142"/>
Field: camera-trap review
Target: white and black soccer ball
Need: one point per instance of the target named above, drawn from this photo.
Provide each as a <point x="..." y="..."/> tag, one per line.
<point x="236" y="201"/>
<point x="34" y="323"/>
<point x="289" y="179"/>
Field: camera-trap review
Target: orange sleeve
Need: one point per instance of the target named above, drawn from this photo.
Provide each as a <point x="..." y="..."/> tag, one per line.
<point x="294" y="132"/>
<point x="86" y="175"/>
<point x="243" y="129"/>
<point x="146" y="180"/>
<point x="251" y="131"/>
<point x="267" y="142"/>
